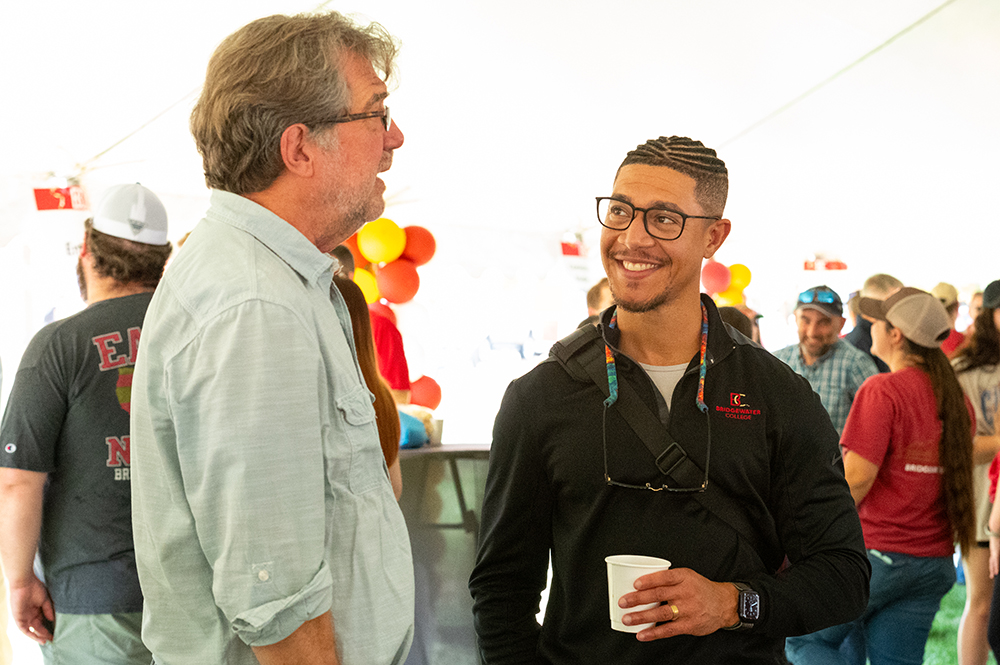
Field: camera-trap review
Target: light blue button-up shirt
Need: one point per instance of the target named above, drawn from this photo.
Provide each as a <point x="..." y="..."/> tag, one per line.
<point x="260" y="497"/>
<point x="835" y="376"/>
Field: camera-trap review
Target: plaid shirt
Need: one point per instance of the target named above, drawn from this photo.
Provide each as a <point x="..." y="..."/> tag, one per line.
<point x="835" y="376"/>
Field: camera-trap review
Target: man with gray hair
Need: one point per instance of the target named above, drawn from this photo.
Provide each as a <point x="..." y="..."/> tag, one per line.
<point x="266" y="526"/>
<point x="658" y="433"/>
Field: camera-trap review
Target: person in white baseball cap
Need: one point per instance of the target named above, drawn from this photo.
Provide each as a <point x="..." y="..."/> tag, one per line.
<point x="134" y="213"/>
<point x="65" y="481"/>
<point x="908" y="460"/>
<point x="125" y="245"/>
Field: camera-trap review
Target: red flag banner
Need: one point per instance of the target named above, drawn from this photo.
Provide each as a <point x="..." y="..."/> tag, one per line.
<point x="61" y="198"/>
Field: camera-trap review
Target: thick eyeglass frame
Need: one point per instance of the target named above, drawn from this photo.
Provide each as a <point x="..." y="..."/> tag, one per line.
<point x="645" y="223"/>
<point x="649" y="486"/>
<point x="818" y="295"/>
<point x="383" y="115"/>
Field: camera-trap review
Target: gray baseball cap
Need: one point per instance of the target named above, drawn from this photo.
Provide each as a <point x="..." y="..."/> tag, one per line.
<point x="920" y="316"/>
<point x="134" y="213"/>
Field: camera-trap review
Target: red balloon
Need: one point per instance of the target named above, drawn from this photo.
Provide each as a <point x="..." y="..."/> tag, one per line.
<point x="715" y="277"/>
<point x="425" y="391"/>
<point x="382" y="309"/>
<point x="420" y="245"/>
<point x="398" y="281"/>
<point x="359" y="259"/>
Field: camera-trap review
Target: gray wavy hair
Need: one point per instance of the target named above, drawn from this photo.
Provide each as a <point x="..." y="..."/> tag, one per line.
<point x="270" y="74"/>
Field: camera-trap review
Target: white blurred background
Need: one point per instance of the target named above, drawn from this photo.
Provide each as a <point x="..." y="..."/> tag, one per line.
<point x="864" y="131"/>
<point x="516" y="114"/>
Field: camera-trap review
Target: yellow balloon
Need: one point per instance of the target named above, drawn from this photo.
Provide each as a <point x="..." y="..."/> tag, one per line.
<point x="381" y="241"/>
<point x="740" y="276"/>
<point x="366" y="282"/>
<point x="729" y="298"/>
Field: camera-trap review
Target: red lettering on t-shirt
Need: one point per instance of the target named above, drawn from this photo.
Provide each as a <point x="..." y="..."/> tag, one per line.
<point x="111" y="358"/>
<point x="133" y="344"/>
<point x="118" y="453"/>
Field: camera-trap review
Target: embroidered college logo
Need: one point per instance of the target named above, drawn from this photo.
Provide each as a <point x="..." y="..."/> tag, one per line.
<point x="738" y="408"/>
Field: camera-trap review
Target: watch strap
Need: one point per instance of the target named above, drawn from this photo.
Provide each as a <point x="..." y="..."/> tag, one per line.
<point x="744" y="623"/>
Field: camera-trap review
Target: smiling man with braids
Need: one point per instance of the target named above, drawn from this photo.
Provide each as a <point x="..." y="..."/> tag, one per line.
<point x="741" y="458"/>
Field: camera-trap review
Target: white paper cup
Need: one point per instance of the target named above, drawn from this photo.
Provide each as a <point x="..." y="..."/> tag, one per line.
<point x="623" y="571"/>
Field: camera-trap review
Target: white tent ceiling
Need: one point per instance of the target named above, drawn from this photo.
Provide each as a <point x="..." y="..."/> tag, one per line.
<point x="516" y="115"/>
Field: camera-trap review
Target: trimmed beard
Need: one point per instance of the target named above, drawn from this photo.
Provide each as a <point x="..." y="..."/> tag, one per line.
<point x="641" y="307"/>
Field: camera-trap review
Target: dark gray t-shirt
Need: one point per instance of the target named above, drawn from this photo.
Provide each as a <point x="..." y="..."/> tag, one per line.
<point x="68" y="416"/>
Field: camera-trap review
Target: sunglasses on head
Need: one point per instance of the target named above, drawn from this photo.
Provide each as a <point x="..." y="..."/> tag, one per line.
<point x="816" y="295"/>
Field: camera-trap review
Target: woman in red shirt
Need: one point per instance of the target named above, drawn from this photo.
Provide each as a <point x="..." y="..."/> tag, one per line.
<point x="908" y="460"/>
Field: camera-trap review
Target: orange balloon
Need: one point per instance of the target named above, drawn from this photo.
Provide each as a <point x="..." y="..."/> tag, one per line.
<point x="398" y="281"/>
<point x="420" y="245"/>
<point x="359" y="259"/>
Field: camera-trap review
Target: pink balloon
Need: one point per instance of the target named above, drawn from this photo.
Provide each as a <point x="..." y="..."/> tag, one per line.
<point x="715" y="277"/>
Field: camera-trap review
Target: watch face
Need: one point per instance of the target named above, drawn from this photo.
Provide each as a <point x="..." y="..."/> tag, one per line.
<point x="749" y="606"/>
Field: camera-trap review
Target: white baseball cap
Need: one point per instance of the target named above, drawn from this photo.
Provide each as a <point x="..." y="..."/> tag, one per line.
<point x="134" y="213"/>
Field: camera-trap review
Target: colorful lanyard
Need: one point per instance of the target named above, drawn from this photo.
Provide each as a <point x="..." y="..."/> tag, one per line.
<point x="609" y="358"/>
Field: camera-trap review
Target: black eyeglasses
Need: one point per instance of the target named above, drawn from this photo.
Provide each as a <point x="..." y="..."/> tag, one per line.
<point x="618" y="215"/>
<point x="673" y="446"/>
<point x="351" y="117"/>
<point x="818" y="295"/>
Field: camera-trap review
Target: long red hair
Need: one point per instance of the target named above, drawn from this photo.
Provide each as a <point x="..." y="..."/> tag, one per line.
<point x="386" y="415"/>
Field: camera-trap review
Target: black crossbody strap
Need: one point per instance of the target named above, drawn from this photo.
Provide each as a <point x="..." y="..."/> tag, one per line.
<point x="584" y="359"/>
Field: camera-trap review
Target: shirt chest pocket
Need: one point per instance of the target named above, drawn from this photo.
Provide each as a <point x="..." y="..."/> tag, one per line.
<point x="367" y="466"/>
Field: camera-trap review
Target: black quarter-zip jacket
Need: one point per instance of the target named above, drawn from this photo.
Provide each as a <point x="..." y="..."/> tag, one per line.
<point x="775" y="467"/>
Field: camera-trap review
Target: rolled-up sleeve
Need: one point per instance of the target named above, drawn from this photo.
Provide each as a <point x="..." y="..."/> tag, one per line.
<point x="245" y="396"/>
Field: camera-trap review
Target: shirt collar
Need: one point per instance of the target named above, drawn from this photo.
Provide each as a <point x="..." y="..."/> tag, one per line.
<point x="720" y="344"/>
<point x="274" y="232"/>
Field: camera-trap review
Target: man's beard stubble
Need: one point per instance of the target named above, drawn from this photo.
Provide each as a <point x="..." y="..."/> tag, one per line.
<point x="640" y="307"/>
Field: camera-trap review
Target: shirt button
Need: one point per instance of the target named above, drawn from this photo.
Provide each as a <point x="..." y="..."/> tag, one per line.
<point x="263" y="576"/>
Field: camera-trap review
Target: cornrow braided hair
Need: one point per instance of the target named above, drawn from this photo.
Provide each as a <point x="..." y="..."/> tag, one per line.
<point x="691" y="158"/>
<point x="679" y="150"/>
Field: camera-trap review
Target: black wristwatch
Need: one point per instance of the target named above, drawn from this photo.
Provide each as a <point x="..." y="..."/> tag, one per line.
<point x="747" y="607"/>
